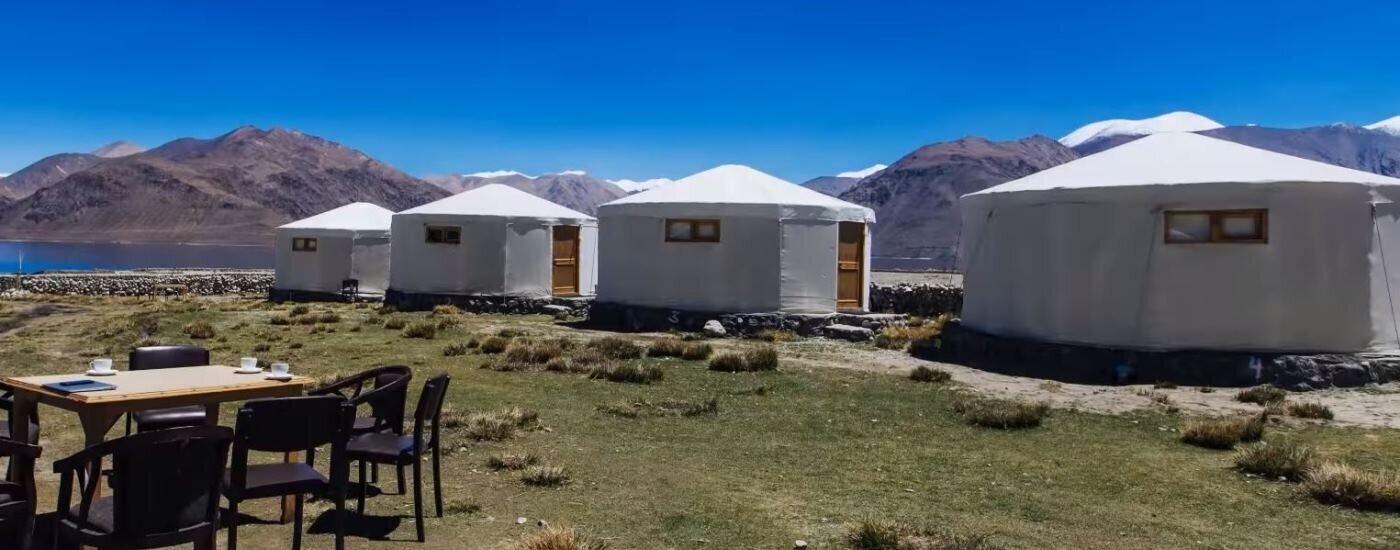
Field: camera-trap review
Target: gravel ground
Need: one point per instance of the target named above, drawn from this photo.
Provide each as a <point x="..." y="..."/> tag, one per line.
<point x="919" y="278"/>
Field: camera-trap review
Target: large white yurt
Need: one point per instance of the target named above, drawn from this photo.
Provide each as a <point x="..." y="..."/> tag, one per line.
<point x="1185" y="242"/>
<point x="494" y="240"/>
<point x="318" y="254"/>
<point x="734" y="240"/>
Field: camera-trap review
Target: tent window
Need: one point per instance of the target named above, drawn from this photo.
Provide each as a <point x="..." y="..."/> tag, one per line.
<point x="444" y="234"/>
<point x="1217" y="226"/>
<point x="692" y="231"/>
<point x="301" y="244"/>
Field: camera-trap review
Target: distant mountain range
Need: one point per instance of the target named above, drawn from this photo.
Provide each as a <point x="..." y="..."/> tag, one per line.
<point x="234" y="188"/>
<point x="573" y="188"/>
<point x="840" y="183"/>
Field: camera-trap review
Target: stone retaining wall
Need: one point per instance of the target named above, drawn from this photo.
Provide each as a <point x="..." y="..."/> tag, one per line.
<point x="921" y="300"/>
<point x="627" y="318"/>
<point x="142" y="283"/>
<point x="510" y="305"/>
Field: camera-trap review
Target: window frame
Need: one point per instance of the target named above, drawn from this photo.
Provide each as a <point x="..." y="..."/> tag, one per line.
<point x="1217" y="233"/>
<point x="445" y="230"/>
<point x="304" y="244"/>
<point x="694" y="224"/>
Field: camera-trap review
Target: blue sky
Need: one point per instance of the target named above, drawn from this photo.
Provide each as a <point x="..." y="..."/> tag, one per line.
<point x="643" y="89"/>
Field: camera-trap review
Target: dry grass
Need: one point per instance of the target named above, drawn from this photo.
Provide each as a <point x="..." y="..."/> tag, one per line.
<point x="1337" y="483"/>
<point x="776" y="335"/>
<point x="299" y="309"/>
<point x="633" y="373"/>
<point x="494" y="344"/>
<point x="280" y="320"/>
<point x="925" y="374"/>
<point x="639" y="409"/>
<point x="199" y="330"/>
<point x="892" y="535"/>
<point x="1277" y="460"/>
<point x="616" y="347"/>
<point x="329" y="317"/>
<point x="763" y="358"/>
<point x="555" y="538"/>
<point x="420" y="329"/>
<point x="899" y="337"/>
<point x="461" y="508"/>
<point x="395" y="323"/>
<point x="1223" y="432"/>
<point x="446" y="309"/>
<point x="666" y="347"/>
<point x="697" y="351"/>
<point x="1001" y="413"/>
<point x="493" y="426"/>
<point x="1262" y="395"/>
<point x="532" y="352"/>
<point x="545" y="476"/>
<point x="456" y="349"/>
<point x="512" y="461"/>
<point x="1310" y="410"/>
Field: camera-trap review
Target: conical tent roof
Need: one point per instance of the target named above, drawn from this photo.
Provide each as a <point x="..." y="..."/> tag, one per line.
<point x="738" y="190"/>
<point x="358" y="217"/>
<point x="1185" y="159"/>
<point x="500" y="201"/>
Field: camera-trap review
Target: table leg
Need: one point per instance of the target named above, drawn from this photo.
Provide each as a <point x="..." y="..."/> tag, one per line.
<point x="24" y="405"/>
<point x="96" y="423"/>
<point x="211" y="414"/>
<point x="289" y="503"/>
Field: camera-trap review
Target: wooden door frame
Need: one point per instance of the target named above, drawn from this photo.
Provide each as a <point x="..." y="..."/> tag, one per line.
<point x="860" y="270"/>
<point x="578" y="260"/>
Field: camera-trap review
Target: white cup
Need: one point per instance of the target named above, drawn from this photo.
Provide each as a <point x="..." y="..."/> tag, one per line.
<point x="100" y="365"/>
<point x="248" y="363"/>
<point x="281" y="369"/>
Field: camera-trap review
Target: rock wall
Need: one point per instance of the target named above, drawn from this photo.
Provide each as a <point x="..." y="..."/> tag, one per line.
<point x="507" y="305"/>
<point x="141" y="283"/>
<point x="920" y="300"/>
<point x="609" y="316"/>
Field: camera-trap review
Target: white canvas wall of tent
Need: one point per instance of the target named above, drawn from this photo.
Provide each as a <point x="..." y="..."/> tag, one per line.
<point x="318" y="253"/>
<point x="734" y="239"/>
<point x="494" y="240"/>
<point x="1186" y="242"/>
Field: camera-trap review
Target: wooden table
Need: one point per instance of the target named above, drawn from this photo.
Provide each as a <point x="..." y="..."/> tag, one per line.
<point x="149" y="389"/>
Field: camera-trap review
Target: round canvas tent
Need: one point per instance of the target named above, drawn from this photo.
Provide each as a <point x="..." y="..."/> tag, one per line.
<point x="1187" y="242"/>
<point x="317" y="254"/>
<point x="733" y="239"/>
<point x="494" y="240"/>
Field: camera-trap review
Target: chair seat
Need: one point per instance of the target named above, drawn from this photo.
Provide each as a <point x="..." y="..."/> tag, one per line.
<point x="270" y="480"/>
<point x="174" y="417"/>
<point x="101" y="518"/>
<point x="380" y="447"/>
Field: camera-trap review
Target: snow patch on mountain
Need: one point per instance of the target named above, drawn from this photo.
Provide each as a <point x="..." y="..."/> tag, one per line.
<point x="633" y="186"/>
<point x="1390" y="126"/>
<point x="1179" y="121"/>
<point x="497" y="174"/>
<point x="862" y="173"/>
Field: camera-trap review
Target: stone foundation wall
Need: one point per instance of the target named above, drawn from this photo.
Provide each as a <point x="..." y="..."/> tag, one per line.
<point x="1091" y="365"/>
<point x="627" y="318"/>
<point x="510" y="305"/>
<point x="920" y="300"/>
<point x="142" y="283"/>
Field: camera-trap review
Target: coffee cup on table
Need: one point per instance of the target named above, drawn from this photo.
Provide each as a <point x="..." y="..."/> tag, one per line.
<point x="281" y="370"/>
<point x="248" y="363"/>
<point x="102" y="365"/>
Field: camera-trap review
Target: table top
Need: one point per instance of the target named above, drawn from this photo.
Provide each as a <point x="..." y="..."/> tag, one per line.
<point x="157" y="383"/>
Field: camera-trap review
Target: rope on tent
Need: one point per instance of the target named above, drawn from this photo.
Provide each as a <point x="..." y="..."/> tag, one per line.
<point x="1385" y="272"/>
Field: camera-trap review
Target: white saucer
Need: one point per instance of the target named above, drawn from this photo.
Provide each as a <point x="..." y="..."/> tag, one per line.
<point x="241" y="371"/>
<point x="91" y="372"/>
<point x="279" y="378"/>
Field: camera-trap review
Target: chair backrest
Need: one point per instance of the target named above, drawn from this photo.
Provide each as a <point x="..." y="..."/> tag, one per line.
<point x="289" y="424"/>
<point x="7" y="404"/>
<point x="388" y="401"/>
<point x="165" y="484"/>
<point x="167" y="357"/>
<point x="18" y="484"/>
<point x="430" y="407"/>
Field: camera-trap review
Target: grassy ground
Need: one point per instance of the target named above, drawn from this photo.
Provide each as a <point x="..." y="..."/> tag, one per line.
<point x="800" y="453"/>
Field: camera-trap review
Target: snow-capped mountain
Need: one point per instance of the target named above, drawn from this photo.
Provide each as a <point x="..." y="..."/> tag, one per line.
<point x="1179" y="121"/>
<point x="571" y="188"/>
<point x="840" y="183"/>
<point x="857" y="174"/>
<point x="118" y="149"/>
<point x="634" y="186"/>
<point x="1390" y="126"/>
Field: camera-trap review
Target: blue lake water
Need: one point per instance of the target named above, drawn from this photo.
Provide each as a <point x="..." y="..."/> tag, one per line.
<point x="45" y="256"/>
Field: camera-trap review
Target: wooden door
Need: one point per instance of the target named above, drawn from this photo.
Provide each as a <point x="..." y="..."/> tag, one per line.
<point x="565" y="259"/>
<point x="850" y="266"/>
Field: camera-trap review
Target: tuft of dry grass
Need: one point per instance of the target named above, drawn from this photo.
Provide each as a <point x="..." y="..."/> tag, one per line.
<point x="555" y="538"/>
<point x="1341" y="484"/>
<point x="492" y="426"/>
<point x="329" y="317"/>
<point x="199" y="330"/>
<point x="299" y="309"/>
<point x="1262" y="395"/>
<point x="616" y="347"/>
<point x="1001" y="413"/>
<point x="280" y="320"/>
<point x="666" y="347"/>
<point x="696" y="351"/>
<point x="1277" y="460"/>
<point x="1310" y="410"/>
<point x="494" y="344"/>
<point x="456" y="349"/>
<point x="262" y="347"/>
<point x="881" y="534"/>
<point x="395" y="323"/>
<point x="762" y="358"/>
<point x="643" y="408"/>
<point x="627" y="372"/>
<point x="461" y="508"/>
<point x="420" y="329"/>
<point x="512" y="461"/>
<point x="1222" y="432"/>
<point x="899" y="337"/>
<point x="445" y="309"/>
<point x="532" y="352"/>
<point x="925" y="374"/>
<point x="545" y="476"/>
<point x="776" y="335"/>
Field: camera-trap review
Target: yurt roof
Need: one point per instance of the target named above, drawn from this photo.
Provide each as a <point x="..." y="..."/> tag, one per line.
<point x="357" y="216"/>
<point x="1185" y="159"/>
<point x="741" y="187"/>
<point x="499" y="201"/>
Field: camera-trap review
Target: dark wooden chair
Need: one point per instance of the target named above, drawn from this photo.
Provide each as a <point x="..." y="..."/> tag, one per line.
<point x="17" y="499"/>
<point x="292" y="424"/>
<point x="7" y="404"/>
<point x="400" y="450"/>
<point x="387" y="400"/>
<point x="165" y="490"/>
<point x="167" y="357"/>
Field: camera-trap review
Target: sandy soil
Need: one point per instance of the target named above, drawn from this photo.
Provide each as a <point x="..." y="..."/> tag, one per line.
<point x="895" y="277"/>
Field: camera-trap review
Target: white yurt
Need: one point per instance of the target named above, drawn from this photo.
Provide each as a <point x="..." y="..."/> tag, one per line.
<point x="734" y="240"/>
<point x="1185" y="242"/>
<point x="317" y="254"/>
<point x="494" y="240"/>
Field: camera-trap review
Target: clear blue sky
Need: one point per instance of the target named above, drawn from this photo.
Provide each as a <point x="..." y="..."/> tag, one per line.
<point x="641" y="89"/>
